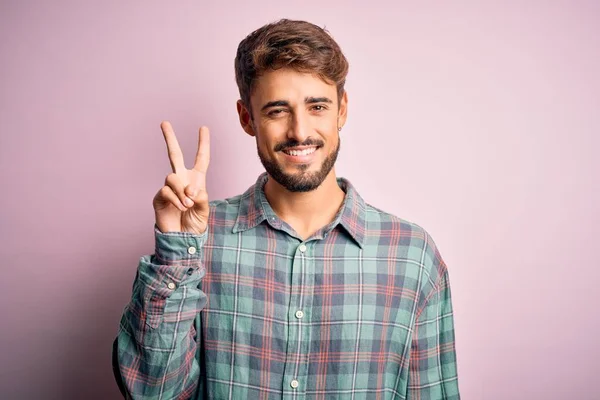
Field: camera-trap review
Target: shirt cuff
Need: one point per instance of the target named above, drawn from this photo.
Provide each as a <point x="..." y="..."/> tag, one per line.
<point x="178" y="248"/>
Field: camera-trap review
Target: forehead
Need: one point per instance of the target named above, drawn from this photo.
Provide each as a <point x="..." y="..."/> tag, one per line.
<point x="291" y="85"/>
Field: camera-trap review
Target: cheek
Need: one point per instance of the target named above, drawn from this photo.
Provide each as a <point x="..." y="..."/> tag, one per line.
<point x="269" y="135"/>
<point x="327" y="127"/>
<point x="273" y="129"/>
<point x="262" y="146"/>
<point x="264" y="143"/>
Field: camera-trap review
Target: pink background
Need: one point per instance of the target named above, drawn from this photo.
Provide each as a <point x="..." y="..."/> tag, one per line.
<point x="478" y="122"/>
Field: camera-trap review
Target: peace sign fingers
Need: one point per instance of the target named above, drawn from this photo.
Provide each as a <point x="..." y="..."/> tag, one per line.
<point x="182" y="204"/>
<point x="203" y="154"/>
<point x="175" y="154"/>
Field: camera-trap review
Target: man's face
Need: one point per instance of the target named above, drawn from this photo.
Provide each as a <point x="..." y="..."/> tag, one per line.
<point x="296" y="120"/>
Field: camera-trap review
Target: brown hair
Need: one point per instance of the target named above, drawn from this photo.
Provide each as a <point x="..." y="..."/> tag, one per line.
<point x="300" y="45"/>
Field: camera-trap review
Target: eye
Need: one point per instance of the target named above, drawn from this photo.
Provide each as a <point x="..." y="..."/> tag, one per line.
<point x="318" y="108"/>
<point x="276" y="112"/>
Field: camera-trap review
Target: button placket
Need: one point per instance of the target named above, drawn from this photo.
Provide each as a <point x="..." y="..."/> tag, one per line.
<point x="298" y="333"/>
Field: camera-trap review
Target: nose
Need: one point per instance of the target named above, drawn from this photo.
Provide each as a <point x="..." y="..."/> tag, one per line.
<point x="299" y="127"/>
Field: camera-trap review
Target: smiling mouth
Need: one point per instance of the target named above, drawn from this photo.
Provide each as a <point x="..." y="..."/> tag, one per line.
<point x="300" y="152"/>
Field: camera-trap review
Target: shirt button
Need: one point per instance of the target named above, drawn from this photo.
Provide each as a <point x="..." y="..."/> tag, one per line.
<point x="299" y="314"/>
<point x="171" y="285"/>
<point x="302" y="248"/>
<point x="294" y="384"/>
<point x="192" y="250"/>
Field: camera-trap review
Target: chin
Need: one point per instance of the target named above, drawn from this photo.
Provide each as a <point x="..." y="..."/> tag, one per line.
<point x="299" y="177"/>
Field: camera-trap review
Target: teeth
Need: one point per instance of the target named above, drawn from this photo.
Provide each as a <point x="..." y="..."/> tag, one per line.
<point x="301" y="152"/>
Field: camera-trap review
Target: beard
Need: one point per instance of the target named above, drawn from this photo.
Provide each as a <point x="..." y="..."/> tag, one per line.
<point x="302" y="181"/>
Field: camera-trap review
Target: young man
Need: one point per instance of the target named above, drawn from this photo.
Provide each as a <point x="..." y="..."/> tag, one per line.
<point x="296" y="288"/>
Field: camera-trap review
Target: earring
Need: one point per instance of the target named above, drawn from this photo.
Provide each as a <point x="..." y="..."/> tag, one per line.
<point x="339" y="129"/>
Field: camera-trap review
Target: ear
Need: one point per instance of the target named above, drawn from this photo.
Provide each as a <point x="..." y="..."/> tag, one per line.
<point x="245" y="118"/>
<point x="343" y="111"/>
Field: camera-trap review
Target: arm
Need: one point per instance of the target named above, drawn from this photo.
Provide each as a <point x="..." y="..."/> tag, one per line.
<point x="432" y="368"/>
<point x="157" y="340"/>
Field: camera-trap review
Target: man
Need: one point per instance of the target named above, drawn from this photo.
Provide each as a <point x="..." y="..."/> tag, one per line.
<point x="295" y="288"/>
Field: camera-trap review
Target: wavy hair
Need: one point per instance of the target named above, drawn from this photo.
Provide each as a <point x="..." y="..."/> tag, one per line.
<point x="300" y="45"/>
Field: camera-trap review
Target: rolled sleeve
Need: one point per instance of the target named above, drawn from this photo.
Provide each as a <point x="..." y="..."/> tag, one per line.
<point x="177" y="261"/>
<point x="157" y="339"/>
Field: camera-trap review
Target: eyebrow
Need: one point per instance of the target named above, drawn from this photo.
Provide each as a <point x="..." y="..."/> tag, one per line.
<point x="285" y="103"/>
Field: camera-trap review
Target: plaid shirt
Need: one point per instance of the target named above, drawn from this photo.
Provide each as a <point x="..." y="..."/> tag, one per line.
<point x="249" y="310"/>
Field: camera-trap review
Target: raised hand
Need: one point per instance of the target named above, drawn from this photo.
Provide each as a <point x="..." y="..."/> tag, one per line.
<point x="182" y="204"/>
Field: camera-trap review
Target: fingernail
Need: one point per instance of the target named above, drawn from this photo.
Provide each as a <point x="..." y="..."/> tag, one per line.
<point x="189" y="203"/>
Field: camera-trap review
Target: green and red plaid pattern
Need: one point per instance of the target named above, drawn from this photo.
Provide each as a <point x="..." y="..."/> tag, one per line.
<point x="249" y="310"/>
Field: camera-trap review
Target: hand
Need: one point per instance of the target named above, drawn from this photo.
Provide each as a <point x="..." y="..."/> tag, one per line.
<point x="182" y="204"/>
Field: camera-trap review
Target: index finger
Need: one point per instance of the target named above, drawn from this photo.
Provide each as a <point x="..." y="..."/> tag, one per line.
<point x="203" y="154"/>
<point x="175" y="154"/>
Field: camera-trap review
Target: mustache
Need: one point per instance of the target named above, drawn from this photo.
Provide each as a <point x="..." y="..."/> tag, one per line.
<point x="290" y="144"/>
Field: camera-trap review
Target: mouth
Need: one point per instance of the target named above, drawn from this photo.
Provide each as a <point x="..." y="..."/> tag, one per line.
<point x="301" y="154"/>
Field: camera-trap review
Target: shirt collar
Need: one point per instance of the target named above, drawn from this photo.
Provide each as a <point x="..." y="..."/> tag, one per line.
<point x="254" y="209"/>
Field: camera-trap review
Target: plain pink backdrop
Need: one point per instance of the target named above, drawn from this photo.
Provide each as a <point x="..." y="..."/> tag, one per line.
<point x="478" y="122"/>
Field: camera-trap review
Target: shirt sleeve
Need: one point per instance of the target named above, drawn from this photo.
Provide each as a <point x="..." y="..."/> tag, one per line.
<point x="157" y="339"/>
<point x="433" y="368"/>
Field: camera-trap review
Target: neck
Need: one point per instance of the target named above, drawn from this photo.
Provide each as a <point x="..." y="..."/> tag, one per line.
<point x="306" y="212"/>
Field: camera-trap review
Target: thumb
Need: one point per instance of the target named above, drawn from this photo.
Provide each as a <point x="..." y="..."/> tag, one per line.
<point x="191" y="191"/>
<point x="198" y="196"/>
